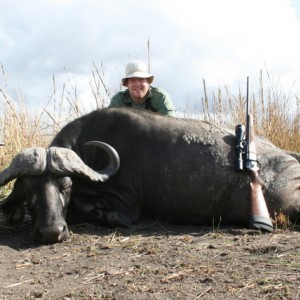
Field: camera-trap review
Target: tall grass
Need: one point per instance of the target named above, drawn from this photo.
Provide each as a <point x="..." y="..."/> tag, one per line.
<point x="23" y="126"/>
<point x="276" y="116"/>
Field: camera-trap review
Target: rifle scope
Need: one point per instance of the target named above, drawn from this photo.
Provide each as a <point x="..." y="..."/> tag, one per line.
<point x="239" y="147"/>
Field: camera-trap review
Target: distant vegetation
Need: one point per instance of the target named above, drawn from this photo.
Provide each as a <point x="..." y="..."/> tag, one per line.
<point x="276" y="115"/>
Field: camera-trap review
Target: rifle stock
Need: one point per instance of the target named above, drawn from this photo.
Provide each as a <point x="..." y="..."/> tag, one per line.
<point x="246" y="151"/>
<point x="259" y="214"/>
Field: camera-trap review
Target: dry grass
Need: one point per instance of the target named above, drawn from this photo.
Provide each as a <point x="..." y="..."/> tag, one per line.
<point x="283" y="222"/>
<point x="23" y="126"/>
<point x="276" y="116"/>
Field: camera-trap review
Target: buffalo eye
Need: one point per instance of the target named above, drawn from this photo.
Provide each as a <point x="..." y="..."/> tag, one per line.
<point x="64" y="190"/>
<point x="65" y="186"/>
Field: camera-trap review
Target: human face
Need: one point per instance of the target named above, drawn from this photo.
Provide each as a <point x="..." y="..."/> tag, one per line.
<point x="138" y="88"/>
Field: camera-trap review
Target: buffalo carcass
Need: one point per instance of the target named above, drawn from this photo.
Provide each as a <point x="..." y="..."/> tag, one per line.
<point x="176" y="170"/>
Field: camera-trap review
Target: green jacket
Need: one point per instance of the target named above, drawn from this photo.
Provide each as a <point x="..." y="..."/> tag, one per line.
<point x="157" y="100"/>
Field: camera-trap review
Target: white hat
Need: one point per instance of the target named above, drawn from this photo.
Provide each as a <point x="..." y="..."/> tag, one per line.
<point x="137" y="69"/>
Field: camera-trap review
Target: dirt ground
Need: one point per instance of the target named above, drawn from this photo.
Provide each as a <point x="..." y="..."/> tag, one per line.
<point x="151" y="260"/>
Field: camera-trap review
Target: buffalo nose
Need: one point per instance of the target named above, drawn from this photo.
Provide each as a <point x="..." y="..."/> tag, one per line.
<point x="53" y="233"/>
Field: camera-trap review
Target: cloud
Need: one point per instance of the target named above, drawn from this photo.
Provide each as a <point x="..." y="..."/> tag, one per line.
<point x="220" y="41"/>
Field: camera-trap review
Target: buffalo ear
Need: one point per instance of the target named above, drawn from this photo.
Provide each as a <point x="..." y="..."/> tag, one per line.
<point x="13" y="207"/>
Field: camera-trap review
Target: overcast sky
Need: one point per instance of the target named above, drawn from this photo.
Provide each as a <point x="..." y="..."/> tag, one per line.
<point x="220" y="41"/>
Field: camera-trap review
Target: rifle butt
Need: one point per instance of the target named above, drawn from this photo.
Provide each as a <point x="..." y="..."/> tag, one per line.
<point x="259" y="214"/>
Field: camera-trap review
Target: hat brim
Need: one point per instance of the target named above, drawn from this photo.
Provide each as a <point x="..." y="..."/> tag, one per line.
<point x="148" y="76"/>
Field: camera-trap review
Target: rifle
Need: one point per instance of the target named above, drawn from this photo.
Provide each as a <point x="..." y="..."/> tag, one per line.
<point x="246" y="160"/>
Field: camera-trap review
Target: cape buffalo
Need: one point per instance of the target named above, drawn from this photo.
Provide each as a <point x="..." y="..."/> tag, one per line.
<point x="176" y="170"/>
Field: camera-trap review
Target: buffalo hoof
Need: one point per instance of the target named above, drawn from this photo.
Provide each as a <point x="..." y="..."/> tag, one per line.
<point x="261" y="223"/>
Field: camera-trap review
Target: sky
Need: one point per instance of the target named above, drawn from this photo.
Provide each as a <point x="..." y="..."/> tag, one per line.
<point x="219" y="41"/>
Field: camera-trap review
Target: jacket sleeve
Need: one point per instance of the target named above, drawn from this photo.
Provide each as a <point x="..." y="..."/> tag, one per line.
<point x="165" y="106"/>
<point x="116" y="100"/>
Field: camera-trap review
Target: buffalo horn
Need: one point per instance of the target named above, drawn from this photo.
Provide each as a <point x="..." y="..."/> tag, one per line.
<point x="114" y="159"/>
<point x="67" y="162"/>
<point x="28" y="162"/>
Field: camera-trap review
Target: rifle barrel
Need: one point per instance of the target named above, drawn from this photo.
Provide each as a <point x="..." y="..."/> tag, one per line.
<point x="247" y="115"/>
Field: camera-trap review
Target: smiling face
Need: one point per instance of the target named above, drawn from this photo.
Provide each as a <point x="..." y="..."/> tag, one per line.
<point x="138" y="88"/>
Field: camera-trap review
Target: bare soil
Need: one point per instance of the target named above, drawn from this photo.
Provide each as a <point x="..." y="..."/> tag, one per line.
<point x="151" y="260"/>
